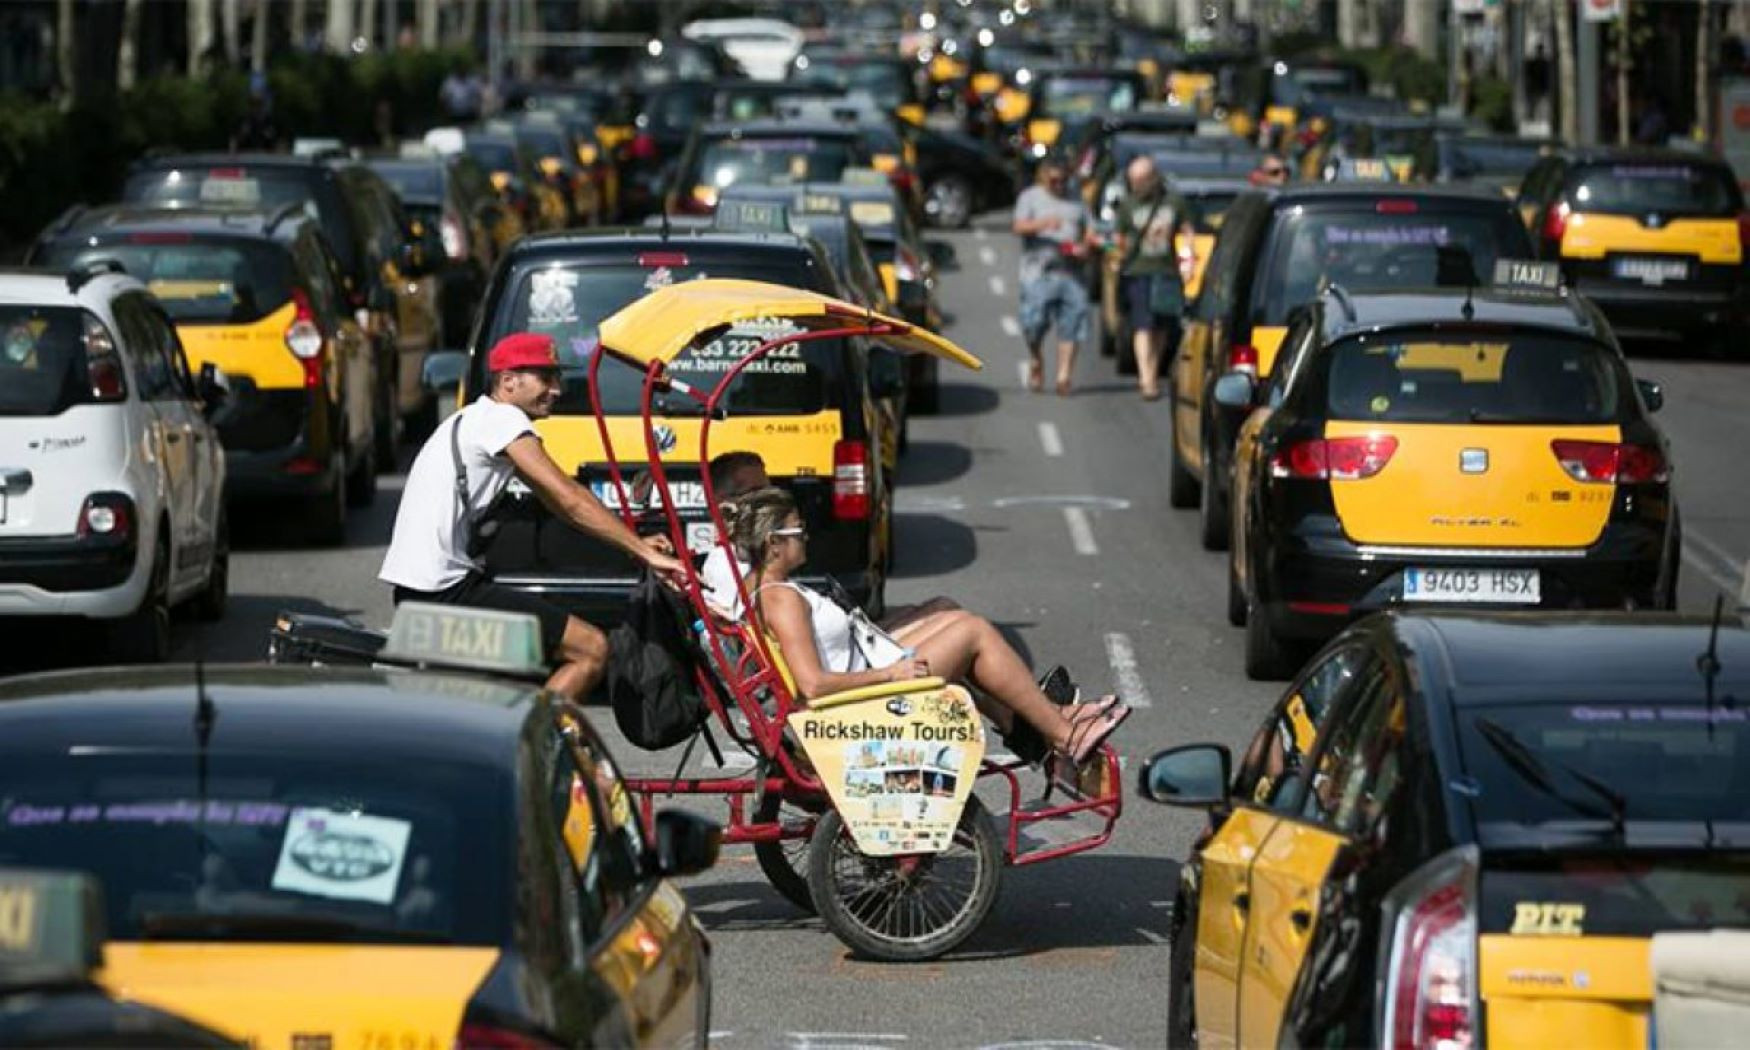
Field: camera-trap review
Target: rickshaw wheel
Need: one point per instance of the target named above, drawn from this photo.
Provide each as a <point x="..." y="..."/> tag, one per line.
<point x="785" y="864"/>
<point x="910" y="909"/>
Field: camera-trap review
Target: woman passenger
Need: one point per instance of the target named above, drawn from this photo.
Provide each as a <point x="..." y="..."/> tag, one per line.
<point x="815" y="636"/>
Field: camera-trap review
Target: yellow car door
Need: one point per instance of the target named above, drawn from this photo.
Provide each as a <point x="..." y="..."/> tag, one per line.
<point x="1223" y="908"/>
<point x="1190" y="366"/>
<point x="1285" y="879"/>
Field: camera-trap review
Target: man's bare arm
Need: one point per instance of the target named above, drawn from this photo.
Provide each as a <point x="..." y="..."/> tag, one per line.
<point x="570" y="501"/>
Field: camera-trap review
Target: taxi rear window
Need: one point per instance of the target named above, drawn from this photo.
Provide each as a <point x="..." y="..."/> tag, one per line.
<point x="1670" y="189"/>
<point x="267" y="189"/>
<point x="1616" y="895"/>
<point x="493" y="156"/>
<point x="771" y="160"/>
<point x="274" y="847"/>
<point x="1206" y="210"/>
<point x="199" y="280"/>
<point x="1468" y="377"/>
<point x="1086" y="96"/>
<point x="42" y="360"/>
<point x="568" y="303"/>
<point x="1390" y="245"/>
<point x="1665" y="762"/>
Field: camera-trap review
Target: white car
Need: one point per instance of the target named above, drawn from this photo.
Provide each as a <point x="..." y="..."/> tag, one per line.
<point x="112" y="480"/>
<point x="765" y="47"/>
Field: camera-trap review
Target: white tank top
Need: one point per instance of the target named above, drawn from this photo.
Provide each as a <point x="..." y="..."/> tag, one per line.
<point x="832" y="630"/>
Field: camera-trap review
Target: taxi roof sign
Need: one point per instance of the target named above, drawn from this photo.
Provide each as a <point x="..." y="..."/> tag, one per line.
<point x="51" y="923"/>
<point x="1527" y="274"/>
<point x="754" y="215"/>
<point x="462" y="636"/>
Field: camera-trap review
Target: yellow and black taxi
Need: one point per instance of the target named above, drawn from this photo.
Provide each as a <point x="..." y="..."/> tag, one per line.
<point x="1064" y="101"/>
<point x="719" y="155"/>
<point x="811" y="412"/>
<point x="415" y="857"/>
<point x="516" y="175"/>
<point x="257" y="295"/>
<point x="1277" y="249"/>
<point x="887" y="79"/>
<point x="1292" y="86"/>
<point x="1484" y="448"/>
<point x="51" y="943"/>
<point x="1655" y="237"/>
<point x="1447" y="835"/>
<point x="556" y="153"/>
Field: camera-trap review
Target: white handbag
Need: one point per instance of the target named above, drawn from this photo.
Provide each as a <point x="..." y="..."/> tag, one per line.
<point x="876" y="647"/>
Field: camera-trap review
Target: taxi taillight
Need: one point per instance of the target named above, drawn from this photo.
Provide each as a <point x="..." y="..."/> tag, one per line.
<point x="1610" y="462"/>
<point x="304" y="339"/>
<point x="1555" y="222"/>
<point x="1242" y="357"/>
<point x="478" y="1036"/>
<point x="850" y="480"/>
<point x="1430" y="996"/>
<point x="1334" y="459"/>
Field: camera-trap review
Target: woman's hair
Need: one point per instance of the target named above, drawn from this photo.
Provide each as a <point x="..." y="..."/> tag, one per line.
<point x="753" y="516"/>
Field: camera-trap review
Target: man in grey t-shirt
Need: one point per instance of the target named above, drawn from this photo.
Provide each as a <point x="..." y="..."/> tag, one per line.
<point x="1056" y="235"/>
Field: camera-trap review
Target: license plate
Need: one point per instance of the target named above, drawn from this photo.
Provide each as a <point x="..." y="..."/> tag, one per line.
<point x="1651" y="271"/>
<point x="701" y="536"/>
<point x="1505" y="586"/>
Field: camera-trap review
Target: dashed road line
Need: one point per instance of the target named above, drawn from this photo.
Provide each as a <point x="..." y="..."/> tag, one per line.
<point x="1050" y="438"/>
<point x="1122" y="656"/>
<point x="1021" y="368"/>
<point x="1011" y="327"/>
<point x="979" y="234"/>
<point x="1716" y="563"/>
<point x="998" y="286"/>
<point x="1081" y="533"/>
<point x="987" y="255"/>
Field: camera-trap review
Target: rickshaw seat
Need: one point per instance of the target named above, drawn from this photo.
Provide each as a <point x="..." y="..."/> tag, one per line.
<point x="847" y="696"/>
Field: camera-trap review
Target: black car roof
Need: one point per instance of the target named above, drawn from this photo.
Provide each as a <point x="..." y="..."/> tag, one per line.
<point x="1421" y="307"/>
<point x="374" y="716"/>
<point x="779" y="128"/>
<point x="273" y="224"/>
<point x="681" y="238"/>
<point x="163" y="161"/>
<point x="1352" y="192"/>
<point x="1492" y="658"/>
<point x="1637" y="155"/>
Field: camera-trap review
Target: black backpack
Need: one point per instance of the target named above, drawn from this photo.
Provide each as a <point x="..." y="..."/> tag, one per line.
<point x="651" y="657"/>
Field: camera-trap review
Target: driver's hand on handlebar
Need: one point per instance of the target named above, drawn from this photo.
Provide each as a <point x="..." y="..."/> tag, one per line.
<point x="666" y="566"/>
<point x="906" y="670"/>
<point x="659" y="543"/>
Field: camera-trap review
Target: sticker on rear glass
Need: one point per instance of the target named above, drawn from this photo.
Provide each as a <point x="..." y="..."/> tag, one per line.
<point x="230" y="191"/>
<point x="661" y="277"/>
<point x="550" y="297"/>
<point x="1387" y="235"/>
<point x="344" y="856"/>
<point x="872" y="213"/>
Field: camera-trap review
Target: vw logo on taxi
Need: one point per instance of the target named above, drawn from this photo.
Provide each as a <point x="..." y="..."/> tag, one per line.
<point x="665" y="439"/>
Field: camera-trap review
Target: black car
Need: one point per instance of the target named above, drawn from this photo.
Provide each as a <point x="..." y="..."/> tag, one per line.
<point x="761" y="151"/>
<point x="303" y="856"/>
<point x="452" y="195"/>
<point x="961" y="175"/>
<point x="1456" y="825"/>
<point x="564" y="285"/>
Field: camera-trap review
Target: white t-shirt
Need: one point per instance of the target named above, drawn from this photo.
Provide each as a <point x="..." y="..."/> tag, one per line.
<point x="426" y="551"/>
<point x="719" y="582"/>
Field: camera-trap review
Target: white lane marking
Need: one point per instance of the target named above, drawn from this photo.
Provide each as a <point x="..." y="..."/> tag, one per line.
<point x="978" y="234"/>
<point x="987" y="255"/>
<point x="1727" y="586"/>
<point x="1715" y="562"/>
<point x="1011" y="327"/>
<point x="1122" y="656"/>
<point x="998" y="286"/>
<point x="1050" y="438"/>
<point x="1081" y="533"/>
<point x="913" y="503"/>
<point x="1021" y="367"/>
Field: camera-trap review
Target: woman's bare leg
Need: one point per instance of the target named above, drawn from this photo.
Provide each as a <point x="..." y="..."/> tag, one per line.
<point x="966" y="646"/>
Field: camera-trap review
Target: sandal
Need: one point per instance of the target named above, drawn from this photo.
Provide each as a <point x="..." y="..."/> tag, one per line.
<point x="1080" y="713"/>
<point x="1058" y="688"/>
<point x="1086" y="735"/>
<point x="1063" y="386"/>
<point x="1035" y="376"/>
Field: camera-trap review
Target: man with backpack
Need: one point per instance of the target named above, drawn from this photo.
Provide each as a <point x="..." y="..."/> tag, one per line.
<point x="460" y="474"/>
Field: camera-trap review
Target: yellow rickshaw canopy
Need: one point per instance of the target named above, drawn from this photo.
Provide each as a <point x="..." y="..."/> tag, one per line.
<point x="661" y="325"/>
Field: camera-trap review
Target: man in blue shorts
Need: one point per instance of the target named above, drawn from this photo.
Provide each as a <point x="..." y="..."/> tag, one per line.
<point x="1056" y="236"/>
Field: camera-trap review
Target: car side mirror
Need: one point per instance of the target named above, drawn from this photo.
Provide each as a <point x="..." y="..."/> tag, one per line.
<point x="886" y="373"/>
<point x="443" y="371"/>
<point x="212" y="387"/>
<point x="1236" y="390"/>
<point x="686" y="844"/>
<point x="1194" y="776"/>
<point x="942" y="255"/>
<point x="1652" y="394"/>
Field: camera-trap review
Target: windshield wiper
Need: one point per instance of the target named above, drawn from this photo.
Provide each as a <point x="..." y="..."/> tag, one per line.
<point x="1532" y="769"/>
<point x="273" y="926"/>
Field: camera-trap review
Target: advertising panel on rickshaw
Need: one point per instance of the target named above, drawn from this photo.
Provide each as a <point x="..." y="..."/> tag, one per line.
<point x="899" y="769"/>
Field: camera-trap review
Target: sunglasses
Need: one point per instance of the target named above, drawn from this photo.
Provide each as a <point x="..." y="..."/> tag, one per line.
<point x="798" y="532"/>
<point x="1275" y="171"/>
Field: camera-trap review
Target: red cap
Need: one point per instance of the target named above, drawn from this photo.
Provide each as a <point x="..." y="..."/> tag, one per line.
<point x="523" y="350"/>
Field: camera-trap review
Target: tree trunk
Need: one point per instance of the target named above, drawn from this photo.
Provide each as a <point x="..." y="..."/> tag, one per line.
<point x="300" y="23"/>
<point x="230" y="31"/>
<point x="1704" y="74"/>
<point x="258" y="36"/>
<point x="1567" y="75"/>
<point x="337" y="33"/>
<point x="200" y="35"/>
<point x="66" y="53"/>
<point x="1623" y="131"/>
<point x="127" y="56"/>
<point x="428" y="24"/>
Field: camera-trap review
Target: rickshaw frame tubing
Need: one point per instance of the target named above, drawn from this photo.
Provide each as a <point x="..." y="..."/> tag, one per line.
<point x="1111" y="809"/>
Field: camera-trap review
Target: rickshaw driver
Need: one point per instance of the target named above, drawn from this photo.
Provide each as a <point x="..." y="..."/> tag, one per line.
<point x="429" y="557"/>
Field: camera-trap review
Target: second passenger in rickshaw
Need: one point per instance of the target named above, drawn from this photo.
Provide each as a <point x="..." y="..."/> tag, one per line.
<point x="824" y="658"/>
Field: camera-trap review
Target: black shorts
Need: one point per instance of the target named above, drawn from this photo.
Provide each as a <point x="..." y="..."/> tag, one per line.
<point x="1137" y="311"/>
<point x="477" y="591"/>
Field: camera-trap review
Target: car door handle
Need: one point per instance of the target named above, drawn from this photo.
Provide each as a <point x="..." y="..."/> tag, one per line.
<point x="1301" y="918"/>
<point x="173" y="436"/>
<point x="1242" y="902"/>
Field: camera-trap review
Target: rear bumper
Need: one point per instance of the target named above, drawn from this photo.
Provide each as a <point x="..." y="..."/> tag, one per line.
<point x="1312" y="584"/>
<point x="265" y="432"/>
<point x="264" y="476"/>
<point x="70" y="576"/>
<point x="1636" y="311"/>
<point x="601" y="600"/>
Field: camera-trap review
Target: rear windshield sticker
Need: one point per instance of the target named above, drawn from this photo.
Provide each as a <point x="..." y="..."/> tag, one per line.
<point x="550" y="297"/>
<point x="1659" y="713"/>
<point x="1548" y="919"/>
<point x="219" y="189"/>
<point x="872" y="213"/>
<point x="661" y="277"/>
<point x="1387" y="235"/>
<point x="344" y="856"/>
<point x="157" y="812"/>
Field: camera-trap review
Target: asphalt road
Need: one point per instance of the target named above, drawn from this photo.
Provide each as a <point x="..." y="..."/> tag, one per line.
<point x="1048" y="515"/>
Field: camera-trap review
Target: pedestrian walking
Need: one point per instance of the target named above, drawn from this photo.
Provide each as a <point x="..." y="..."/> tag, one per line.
<point x="1150" y="218"/>
<point x="1056" y="238"/>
